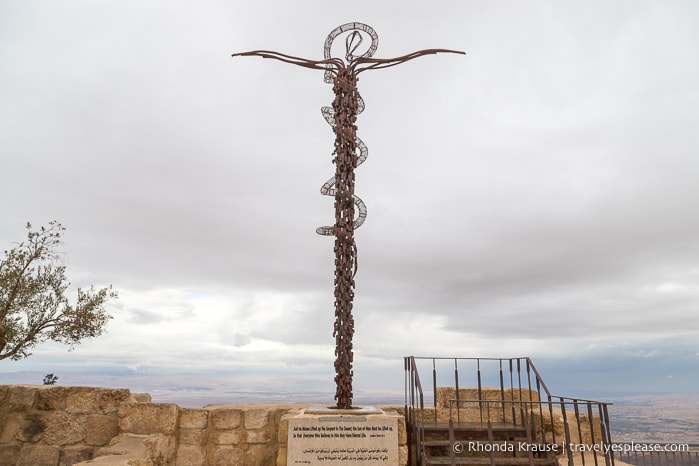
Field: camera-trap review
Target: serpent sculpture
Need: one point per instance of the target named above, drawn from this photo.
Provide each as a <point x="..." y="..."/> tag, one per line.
<point x="349" y="152"/>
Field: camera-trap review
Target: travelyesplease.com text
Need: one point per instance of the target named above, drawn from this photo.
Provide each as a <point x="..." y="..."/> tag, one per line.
<point x="604" y="448"/>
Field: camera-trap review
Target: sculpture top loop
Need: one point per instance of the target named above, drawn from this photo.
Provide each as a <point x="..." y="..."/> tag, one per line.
<point x="352" y="43"/>
<point x="356" y="28"/>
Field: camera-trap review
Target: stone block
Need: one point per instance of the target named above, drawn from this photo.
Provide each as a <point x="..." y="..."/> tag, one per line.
<point x="256" y="418"/>
<point x="51" y="399"/>
<point x="403" y="455"/>
<point x="148" y="418"/>
<point x="63" y="429"/>
<point x="226" y="418"/>
<point x="284" y="429"/>
<point x="402" y="431"/>
<point x="259" y="436"/>
<point x="491" y="394"/>
<point x="10" y="424"/>
<point x="194" y="418"/>
<point x="141" y="397"/>
<point x="109" y="399"/>
<point x="281" y="456"/>
<point x="101" y="429"/>
<point x="137" y="450"/>
<point x="75" y="454"/>
<point x="192" y="437"/>
<point x="226" y="437"/>
<point x="190" y="455"/>
<point x="9" y="454"/>
<point x="4" y="390"/>
<point x="126" y="445"/>
<point x="32" y="428"/>
<point x="227" y="456"/>
<point x="284" y="424"/>
<point x="39" y="455"/>
<point x="81" y="400"/>
<point x="390" y="409"/>
<point x="21" y="398"/>
<point x="161" y="449"/>
<point x="260" y="455"/>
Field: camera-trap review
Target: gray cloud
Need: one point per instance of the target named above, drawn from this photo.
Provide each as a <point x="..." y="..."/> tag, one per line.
<point x="540" y="189"/>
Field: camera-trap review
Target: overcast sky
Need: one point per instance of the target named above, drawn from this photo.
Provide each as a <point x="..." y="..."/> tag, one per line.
<point x="535" y="197"/>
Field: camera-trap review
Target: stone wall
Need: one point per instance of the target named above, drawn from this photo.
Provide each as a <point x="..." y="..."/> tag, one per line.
<point x="44" y="425"/>
<point x="48" y="425"/>
<point x="508" y="405"/>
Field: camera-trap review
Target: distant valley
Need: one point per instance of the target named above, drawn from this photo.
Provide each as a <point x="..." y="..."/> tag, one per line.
<point x="670" y="418"/>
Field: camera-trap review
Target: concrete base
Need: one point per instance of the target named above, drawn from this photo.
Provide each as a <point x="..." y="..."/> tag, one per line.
<point x="321" y="435"/>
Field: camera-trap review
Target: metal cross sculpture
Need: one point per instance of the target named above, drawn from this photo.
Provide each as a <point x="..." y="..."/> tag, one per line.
<point x="350" y="151"/>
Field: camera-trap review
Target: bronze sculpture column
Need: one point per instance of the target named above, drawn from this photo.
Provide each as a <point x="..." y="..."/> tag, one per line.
<point x="349" y="152"/>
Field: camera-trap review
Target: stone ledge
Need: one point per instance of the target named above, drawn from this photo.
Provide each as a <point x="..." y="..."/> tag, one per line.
<point x="52" y="425"/>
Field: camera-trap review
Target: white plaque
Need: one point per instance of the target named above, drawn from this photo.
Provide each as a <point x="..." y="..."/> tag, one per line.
<point x="343" y="440"/>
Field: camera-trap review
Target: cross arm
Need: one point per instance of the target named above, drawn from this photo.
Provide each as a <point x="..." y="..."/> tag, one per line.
<point x="304" y="62"/>
<point x="362" y="64"/>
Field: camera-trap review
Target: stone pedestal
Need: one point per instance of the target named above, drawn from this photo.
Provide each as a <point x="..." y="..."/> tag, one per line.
<point x="332" y="437"/>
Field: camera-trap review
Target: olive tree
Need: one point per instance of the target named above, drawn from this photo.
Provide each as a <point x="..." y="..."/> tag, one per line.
<point x="33" y="303"/>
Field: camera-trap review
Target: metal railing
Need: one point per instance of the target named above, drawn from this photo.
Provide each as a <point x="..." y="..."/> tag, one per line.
<point x="513" y="374"/>
<point x="505" y="395"/>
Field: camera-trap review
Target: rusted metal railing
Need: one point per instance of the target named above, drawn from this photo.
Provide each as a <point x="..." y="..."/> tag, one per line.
<point x="499" y="400"/>
<point x="513" y="374"/>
